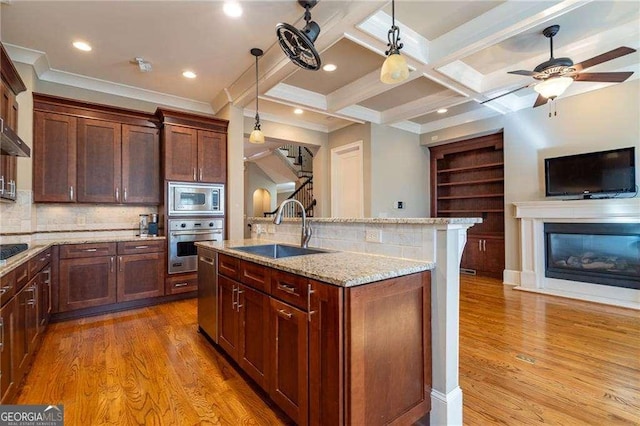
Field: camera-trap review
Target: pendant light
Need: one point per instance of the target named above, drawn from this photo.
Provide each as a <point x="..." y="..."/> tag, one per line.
<point x="256" y="136"/>
<point x="395" y="69"/>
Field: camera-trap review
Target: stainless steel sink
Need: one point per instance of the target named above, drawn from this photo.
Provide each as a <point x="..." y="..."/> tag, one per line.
<point x="277" y="251"/>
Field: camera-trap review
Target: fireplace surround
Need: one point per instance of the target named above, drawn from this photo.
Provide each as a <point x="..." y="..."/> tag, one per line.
<point x="532" y="274"/>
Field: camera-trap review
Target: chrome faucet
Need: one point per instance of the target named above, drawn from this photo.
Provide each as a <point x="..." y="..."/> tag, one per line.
<point x="306" y="228"/>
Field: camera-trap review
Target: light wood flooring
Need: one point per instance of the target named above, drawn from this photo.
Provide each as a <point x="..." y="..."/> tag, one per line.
<point x="524" y="359"/>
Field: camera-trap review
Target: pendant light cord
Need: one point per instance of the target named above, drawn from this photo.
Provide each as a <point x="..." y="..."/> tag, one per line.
<point x="257" y="126"/>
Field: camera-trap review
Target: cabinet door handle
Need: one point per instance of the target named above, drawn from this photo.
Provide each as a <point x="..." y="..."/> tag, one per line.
<point x="112" y="260"/>
<point x="310" y="291"/>
<point x="1" y="334"/>
<point x="194" y="174"/>
<point x="178" y="285"/>
<point x="117" y="194"/>
<point x="12" y="188"/>
<point x="125" y="194"/>
<point x="90" y="250"/>
<point x="233" y="297"/>
<point x="239" y="292"/>
<point x="288" y="289"/>
<point x="200" y="174"/>
<point x="484" y="245"/>
<point x="141" y="247"/>
<point x="71" y="192"/>
<point x="285" y="314"/>
<point x="120" y="262"/>
<point x="479" y="245"/>
<point x="1" y="184"/>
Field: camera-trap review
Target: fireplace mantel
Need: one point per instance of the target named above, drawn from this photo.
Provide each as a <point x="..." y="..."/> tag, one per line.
<point x="533" y="215"/>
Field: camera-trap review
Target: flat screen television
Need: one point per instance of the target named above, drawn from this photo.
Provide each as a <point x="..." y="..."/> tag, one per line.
<point x="604" y="172"/>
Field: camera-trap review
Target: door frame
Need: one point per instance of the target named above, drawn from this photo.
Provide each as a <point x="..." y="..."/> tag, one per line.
<point x="335" y="185"/>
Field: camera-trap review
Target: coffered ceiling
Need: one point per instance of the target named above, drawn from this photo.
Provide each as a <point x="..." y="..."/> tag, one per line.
<point x="459" y="53"/>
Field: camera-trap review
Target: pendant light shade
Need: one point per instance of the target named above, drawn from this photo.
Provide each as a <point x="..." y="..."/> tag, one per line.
<point x="553" y="87"/>
<point x="395" y="68"/>
<point x="256" y="136"/>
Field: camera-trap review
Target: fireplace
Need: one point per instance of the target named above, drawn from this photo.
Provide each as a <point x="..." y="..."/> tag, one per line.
<point x="599" y="253"/>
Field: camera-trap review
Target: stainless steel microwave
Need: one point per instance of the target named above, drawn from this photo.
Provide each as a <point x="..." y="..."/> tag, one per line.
<point x="196" y="199"/>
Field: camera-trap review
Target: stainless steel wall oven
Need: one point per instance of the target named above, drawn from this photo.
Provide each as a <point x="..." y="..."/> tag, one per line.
<point x="182" y="236"/>
<point x="195" y="199"/>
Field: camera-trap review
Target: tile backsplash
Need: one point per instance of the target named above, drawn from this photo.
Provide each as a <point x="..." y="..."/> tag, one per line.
<point x="20" y="221"/>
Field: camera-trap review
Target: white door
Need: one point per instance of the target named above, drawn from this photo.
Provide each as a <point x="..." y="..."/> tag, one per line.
<point x="347" y="181"/>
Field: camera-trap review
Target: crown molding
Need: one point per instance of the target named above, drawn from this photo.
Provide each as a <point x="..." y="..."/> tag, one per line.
<point x="40" y="63"/>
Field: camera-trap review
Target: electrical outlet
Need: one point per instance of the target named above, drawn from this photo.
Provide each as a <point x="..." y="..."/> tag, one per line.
<point x="81" y="220"/>
<point x="398" y="204"/>
<point x="373" y="235"/>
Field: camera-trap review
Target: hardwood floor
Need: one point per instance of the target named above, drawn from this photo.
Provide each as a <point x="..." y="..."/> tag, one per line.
<point x="150" y="366"/>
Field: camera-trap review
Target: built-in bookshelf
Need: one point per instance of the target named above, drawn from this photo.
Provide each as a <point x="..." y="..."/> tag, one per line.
<point x="467" y="180"/>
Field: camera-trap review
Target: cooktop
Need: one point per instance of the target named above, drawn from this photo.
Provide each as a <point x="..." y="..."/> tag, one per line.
<point x="8" y="250"/>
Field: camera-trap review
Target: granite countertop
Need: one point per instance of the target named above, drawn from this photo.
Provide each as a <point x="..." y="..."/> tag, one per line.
<point x="13" y="262"/>
<point x="346" y="269"/>
<point x="381" y="220"/>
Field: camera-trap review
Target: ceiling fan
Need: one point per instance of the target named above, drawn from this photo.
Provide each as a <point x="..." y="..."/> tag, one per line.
<point x="552" y="77"/>
<point x="298" y="44"/>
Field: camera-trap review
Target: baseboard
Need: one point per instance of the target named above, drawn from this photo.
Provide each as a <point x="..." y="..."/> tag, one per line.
<point x="510" y="277"/>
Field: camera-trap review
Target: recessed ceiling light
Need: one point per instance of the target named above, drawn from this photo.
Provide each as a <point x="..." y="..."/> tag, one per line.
<point x="189" y="74"/>
<point x="81" y="45"/>
<point x="297" y="111"/>
<point x="442" y="110"/>
<point x="329" y="67"/>
<point x="232" y="9"/>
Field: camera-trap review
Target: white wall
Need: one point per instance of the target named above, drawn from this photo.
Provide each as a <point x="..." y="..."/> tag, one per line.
<point x="399" y="172"/>
<point x="598" y="120"/>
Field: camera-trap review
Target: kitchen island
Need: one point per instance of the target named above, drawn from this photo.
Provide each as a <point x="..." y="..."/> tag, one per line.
<point x="325" y="335"/>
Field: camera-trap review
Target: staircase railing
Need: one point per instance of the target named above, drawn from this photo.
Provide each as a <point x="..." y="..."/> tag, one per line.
<point x="304" y="194"/>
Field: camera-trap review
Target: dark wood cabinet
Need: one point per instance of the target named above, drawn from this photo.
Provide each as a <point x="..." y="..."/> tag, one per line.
<point x="91" y="153"/>
<point x="332" y="352"/>
<point x="140" y="276"/>
<point x="195" y="147"/>
<point x="244" y="327"/>
<point x="87" y="282"/>
<point x="10" y="86"/>
<point x="140" y="164"/>
<point x="288" y="386"/>
<point x="7" y="370"/>
<point x="99" y="161"/>
<point x="54" y="157"/>
<point x="103" y="273"/>
<point x="484" y="255"/>
<point x="467" y="180"/>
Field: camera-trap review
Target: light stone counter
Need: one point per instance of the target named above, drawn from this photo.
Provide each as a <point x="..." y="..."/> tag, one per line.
<point x="13" y="262"/>
<point x="345" y="269"/>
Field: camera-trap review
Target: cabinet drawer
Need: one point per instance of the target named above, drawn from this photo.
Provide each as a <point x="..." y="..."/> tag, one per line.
<point x="176" y="285"/>
<point x="256" y="276"/>
<point x="135" y="247"/>
<point x="228" y="265"/>
<point x="7" y="287"/>
<point x="290" y="288"/>
<point x="40" y="261"/>
<point x="87" y="250"/>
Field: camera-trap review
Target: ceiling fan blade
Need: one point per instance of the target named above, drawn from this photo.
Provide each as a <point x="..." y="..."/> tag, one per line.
<point x="505" y="94"/>
<point x="540" y="100"/>
<point x="522" y="72"/>
<point x="607" y="56"/>
<point x="605" y="77"/>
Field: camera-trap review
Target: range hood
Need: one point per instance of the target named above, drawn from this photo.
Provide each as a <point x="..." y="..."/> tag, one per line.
<point x="11" y="144"/>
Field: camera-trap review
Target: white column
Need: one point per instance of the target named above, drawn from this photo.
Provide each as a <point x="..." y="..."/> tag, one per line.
<point x="446" y="395"/>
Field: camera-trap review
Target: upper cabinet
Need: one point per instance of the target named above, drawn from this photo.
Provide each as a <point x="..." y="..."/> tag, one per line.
<point x="195" y="147"/>
<point x="10" y="86"/>
<point x="89" y="153"/>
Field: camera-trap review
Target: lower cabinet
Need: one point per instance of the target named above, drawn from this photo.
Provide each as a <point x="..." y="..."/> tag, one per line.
<point x="98" y="274"/>
<point x="7" y="373"/>
<point x="484" y="255"/>
<point x="329" y="355"/>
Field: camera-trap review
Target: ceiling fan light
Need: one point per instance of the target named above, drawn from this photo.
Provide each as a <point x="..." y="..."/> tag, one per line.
<point x="394" y="70"/>
<point x="553" y="87"/>
<point x="256" y="136"/>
